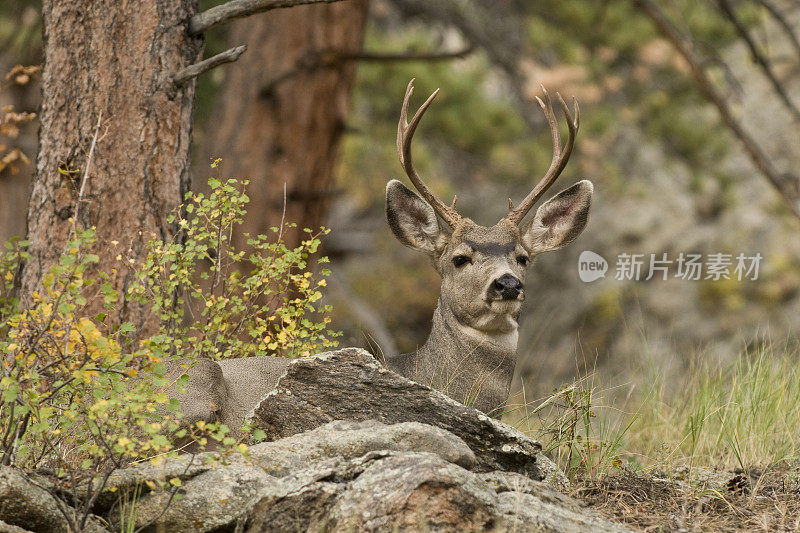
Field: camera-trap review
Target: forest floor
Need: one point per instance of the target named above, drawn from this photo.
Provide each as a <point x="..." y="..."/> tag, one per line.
<point x="635" y="452"/>
<point x="763" y="502"/>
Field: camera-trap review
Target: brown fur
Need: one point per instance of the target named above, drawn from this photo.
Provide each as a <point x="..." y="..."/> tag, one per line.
<point x="471" y="351"/>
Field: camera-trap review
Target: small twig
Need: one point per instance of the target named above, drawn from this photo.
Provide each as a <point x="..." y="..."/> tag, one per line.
<point x="218" y="265"/>
<point x="173" y="492"/>
<point x="86" y="510"/>
<point x="283" y="215"/>
<point x="717" y="61"/>
<point x="192" y="71"/>
<point x="11" y="423"/>
<point x="785" y="184"/>
<point x="241" y="8"/>
<point x="714" y="58"/>
<point x="85" y="178"/>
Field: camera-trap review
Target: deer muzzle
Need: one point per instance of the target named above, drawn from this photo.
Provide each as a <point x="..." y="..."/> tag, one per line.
<point x="507" y="287"/>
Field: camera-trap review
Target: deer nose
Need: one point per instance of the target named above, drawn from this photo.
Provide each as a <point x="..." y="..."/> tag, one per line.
<point x="508" y="286"/>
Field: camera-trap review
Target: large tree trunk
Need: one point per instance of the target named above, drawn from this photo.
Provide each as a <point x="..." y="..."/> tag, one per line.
<point x="112" y="59"/>
<point x="281" y="111"/>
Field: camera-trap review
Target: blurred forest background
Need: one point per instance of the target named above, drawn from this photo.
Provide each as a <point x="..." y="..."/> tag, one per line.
<point x="314" y="102"/>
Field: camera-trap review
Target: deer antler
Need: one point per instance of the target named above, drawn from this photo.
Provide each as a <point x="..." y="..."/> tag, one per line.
<point x="560" y="156"/>
<point x="405" y="132"/>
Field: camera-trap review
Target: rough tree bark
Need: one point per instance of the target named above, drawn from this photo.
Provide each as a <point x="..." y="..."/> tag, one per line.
<point x="112" y="59"/>
<point x="280" y="113"/>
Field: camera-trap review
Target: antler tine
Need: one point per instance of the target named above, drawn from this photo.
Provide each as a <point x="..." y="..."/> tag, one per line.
<point x="560" y="155"/>
<point x="405" y="133"/>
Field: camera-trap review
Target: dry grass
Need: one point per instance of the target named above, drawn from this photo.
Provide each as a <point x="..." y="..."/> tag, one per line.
<point x="719" y="451"/>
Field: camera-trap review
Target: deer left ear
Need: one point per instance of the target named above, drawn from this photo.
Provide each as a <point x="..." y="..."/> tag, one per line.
<point x="413" y="221"/>
<point x="560" y="220"/>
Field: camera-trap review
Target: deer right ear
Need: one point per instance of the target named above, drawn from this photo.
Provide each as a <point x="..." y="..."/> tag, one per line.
<point x="559" y="220"/>
<point x="413" y="220"/>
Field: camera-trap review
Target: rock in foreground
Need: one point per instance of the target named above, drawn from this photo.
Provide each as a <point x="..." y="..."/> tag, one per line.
<point x="350" y="384"/>
<point x="356" y="476"/>
<point x="353" y="447"/>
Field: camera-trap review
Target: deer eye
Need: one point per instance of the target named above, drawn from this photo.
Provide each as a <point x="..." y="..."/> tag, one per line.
<point x="523" y="260"/>
<point x="461" y="260"/>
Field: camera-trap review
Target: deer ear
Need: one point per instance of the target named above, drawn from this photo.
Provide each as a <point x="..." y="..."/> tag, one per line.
<point x="413" y="220"/>
<point x="560" y="220"/>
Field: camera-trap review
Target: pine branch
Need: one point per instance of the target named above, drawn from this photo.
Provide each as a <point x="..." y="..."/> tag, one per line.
<point x="499" y="37"/>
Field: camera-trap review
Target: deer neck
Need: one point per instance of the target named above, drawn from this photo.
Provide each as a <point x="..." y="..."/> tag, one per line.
<point x="469" y="365"/>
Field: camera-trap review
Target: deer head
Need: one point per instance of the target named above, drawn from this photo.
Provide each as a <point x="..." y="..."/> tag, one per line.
<point x="483" y="268"/>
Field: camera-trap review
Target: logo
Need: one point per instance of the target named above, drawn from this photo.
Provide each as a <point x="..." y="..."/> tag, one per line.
<point x="591" y="266"/>
<point x="686" y="266"/>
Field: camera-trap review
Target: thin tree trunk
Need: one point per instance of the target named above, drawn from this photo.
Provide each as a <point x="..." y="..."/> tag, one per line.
<point x="112" y="59"/>
<point x="280" y="113"/>
<point x="23" y="97"/>
<point x="15" y="184"/>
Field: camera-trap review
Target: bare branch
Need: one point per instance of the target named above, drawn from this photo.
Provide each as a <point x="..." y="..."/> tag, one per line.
<point x="89" y="161"/>
<point x="76" y="214"/>
<point x="192" y="71"/>
<point x="715" y="59"/>
<point x="405" y="56"/>
<point x="283" y="215"/>
<point x="172" y="492"/>
<point x="758" y="56"/>
<point x="235" y="9"/>
<point x="323" y="59"/>
<point x="781" y="20"/>
<point x="785" y="184"/>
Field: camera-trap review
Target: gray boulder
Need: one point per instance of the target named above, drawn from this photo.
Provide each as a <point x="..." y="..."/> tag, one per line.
<point x="418" y="492"/>
<point x="24" y="504"/>
<point x="353" y="476"/>
<point x="216" y="493"/>
<point x="353" y="447"/>
<point x="350" y="384"/>
<point x="379" y="491"/>
<point x="8" y="528"/>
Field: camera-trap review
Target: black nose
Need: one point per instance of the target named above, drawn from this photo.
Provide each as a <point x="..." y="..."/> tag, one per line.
<point x="508" y="286"/>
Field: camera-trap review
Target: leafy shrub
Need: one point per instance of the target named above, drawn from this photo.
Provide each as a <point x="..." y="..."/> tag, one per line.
<point x="265" y="303"/>
<point x="81" y="397"/>
<point x="68" y="402"/>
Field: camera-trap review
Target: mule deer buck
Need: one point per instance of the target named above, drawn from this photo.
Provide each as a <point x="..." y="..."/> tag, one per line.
<point x="471" y="351"/>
